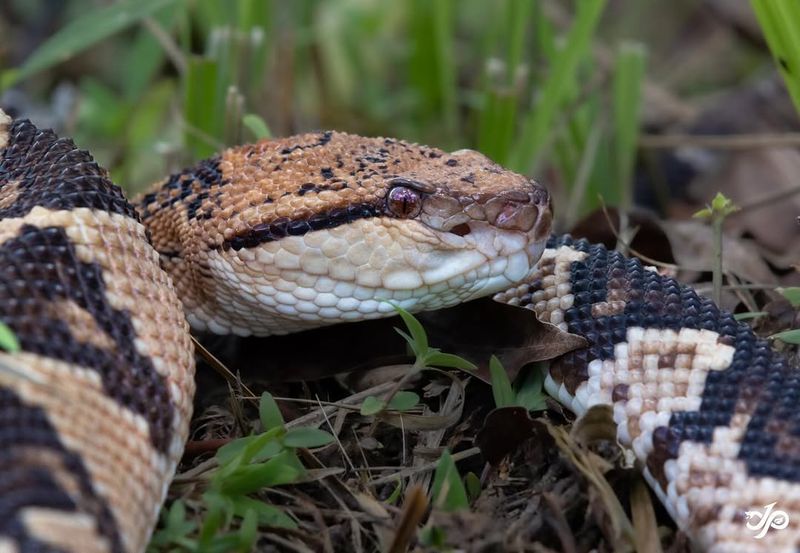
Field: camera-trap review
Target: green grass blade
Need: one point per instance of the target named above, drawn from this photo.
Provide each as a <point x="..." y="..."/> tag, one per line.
<point x="780" y="22"/>
<point x="448" y="490"/>
<point x="531" y="394"/>
<point x="254" y="13"/>
<point x="201" y="108"/>
<point x="141" y="62"/>
<point x="792" y="294"/>
<point x="501" y="385"/>
<point x="432" y="64"/>
<point x="87" y="30"/>
<point x="257" y="126"/>
<point x="8" y="340"/>
<point x="788" y="336"/>
<point x="269" y="413"/>
<point x="443" y="26"/>
<point x="502" y="89"/>
<point x="537" y="126"/>
<point x="627" y="86"/>
<point x="418" y="335"/>
<point x="307" y="437"/>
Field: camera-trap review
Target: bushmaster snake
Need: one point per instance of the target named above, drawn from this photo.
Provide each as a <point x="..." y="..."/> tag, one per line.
<point x="291" y="234"/>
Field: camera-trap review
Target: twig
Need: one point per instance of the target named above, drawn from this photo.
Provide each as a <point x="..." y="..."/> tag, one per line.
<point x="224" y="371"/>
<point x="720" y="142"/>
<point x="315" y="417"/>
<point x="170" y="47"/>
<point x="768" y="199"/>
<point x="640" y="255"/>
<point x="338" y="441"/>
<point x="414" y="508"/>
<point x="410" y="471"/>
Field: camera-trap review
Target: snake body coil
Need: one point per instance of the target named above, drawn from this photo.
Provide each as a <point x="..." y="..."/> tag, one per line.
<point x="291" y="234"/>
<point x="94" y="409"/>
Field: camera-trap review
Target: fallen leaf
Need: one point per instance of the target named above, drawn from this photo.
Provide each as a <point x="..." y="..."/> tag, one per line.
<point x="479" y="329"/>
<point x="504" y="429"/>
<point x="593" y="468"/>
<point x="597" y="424"/>
<point x="693" y="247"/>
<point x="645" y="526"/>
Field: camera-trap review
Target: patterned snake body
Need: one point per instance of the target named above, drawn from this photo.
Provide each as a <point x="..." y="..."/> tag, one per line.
<point x="291" y="234"/>
<point x="708" y="408"/>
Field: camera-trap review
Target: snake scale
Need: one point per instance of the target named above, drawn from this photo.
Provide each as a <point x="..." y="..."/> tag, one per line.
<point x="286" y="235"/>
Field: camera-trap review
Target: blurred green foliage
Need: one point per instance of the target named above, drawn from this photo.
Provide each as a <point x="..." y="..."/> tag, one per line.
<point x="172" y="81"/>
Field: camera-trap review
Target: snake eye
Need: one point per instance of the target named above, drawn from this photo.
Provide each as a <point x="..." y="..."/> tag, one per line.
<point x="404" y="202"/>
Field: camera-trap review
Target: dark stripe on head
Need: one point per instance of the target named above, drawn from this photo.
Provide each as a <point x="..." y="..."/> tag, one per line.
<point x="40" y="266"/>
<point x="194" y="182"/>
<point x="52" y="173"/>
<point x="322" y="139"/>
<point x="759" y="382"/>
<point x="24" y="483"/>
<point x="280" y="228"/>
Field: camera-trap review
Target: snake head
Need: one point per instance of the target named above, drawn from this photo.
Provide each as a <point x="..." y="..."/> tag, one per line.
<point x="322" y="228"/>
<point x="473" y="224"/>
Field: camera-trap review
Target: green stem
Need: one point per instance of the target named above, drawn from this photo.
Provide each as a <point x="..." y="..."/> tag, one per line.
<point x="717" y="269"/>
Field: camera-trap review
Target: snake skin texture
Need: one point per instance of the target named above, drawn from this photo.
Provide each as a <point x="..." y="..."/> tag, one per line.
<point x="290" y="234"/>
<point x="709" y="409"/>
<point x="318" y="229"/>
<point x="94" y="409"/>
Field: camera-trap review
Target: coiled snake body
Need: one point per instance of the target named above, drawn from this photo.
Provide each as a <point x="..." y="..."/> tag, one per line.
<point x="317" y="229"/>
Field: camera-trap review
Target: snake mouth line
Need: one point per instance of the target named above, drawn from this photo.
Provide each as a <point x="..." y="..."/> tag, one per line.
<point x="488" y="244"/>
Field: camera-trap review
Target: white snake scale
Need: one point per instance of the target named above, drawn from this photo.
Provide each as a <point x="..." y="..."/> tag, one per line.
<point x="286" y="235"/>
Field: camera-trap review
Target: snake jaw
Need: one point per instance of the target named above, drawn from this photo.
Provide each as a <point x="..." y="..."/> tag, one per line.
<point x="512" y="224"/>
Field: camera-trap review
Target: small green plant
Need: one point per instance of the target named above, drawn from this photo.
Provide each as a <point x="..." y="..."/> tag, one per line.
<point x="792" y="294"/>
<point x="427" y="356"/>
<point x="257" y="126"/>
<point x="530" y="391"/>
<point x="246" y="466"/>
<point x="8" y="340"/>
<point x="424" y="356"/>
<point x="401" y="401"/>
<point x="473" y="485"/>
<point x="449" y="494"/>
<point x="721" y="207"/>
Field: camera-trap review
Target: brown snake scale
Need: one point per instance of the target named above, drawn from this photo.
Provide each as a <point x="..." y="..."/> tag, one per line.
<point x="286" y="235"/>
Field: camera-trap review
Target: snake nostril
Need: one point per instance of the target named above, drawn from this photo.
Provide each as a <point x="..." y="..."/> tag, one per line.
<point x="540" y="196"/>
<point x="461" y="230"/>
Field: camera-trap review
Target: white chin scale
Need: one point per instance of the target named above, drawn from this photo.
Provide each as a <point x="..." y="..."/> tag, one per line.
<point x="355" y="272"/>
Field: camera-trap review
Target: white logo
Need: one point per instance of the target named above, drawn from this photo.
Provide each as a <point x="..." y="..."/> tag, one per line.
<point x="762" y="522"/>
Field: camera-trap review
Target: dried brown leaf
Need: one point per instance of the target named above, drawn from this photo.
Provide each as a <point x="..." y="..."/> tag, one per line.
<point x="771" y="223"/>
<point x="414" y="507"/>
<point x="479" y="329"/>
<point x="504" y="429"/>
<point x="693" y="247"/>
<point x="595" y="425"/>
<point x="619" y="530"/>
<point x="645" y="527"/>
